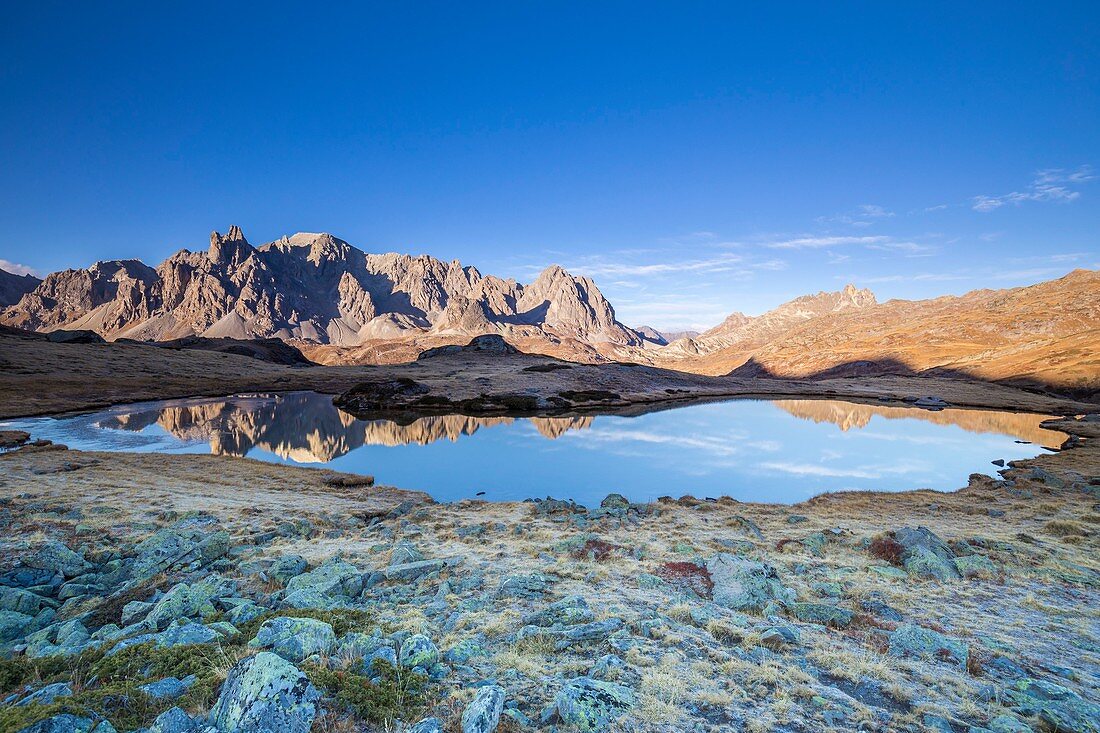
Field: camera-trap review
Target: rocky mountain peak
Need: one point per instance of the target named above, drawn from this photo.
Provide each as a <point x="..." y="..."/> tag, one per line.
<point x="230" y="248"/>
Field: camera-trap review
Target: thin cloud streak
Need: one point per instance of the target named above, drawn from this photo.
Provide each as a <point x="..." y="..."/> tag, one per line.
<point x="1051" y="184"/>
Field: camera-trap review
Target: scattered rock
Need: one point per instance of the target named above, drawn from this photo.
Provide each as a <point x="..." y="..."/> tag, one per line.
<point x="745" y="585"/>
<point x="483" y="712"/>
<point x="592" y="705"/>
<point x="294" y="639"/>
<point x="265" y="694"/>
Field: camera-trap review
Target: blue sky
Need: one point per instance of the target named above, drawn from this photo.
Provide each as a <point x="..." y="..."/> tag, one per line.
<point x="694" y="158"/>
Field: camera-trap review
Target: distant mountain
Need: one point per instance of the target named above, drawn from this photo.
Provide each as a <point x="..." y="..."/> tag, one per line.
<point x="319" y="289"/>
<point x="1046" y="334"/>
<point x="13" y="287"/>
<point x="662" y="338"/>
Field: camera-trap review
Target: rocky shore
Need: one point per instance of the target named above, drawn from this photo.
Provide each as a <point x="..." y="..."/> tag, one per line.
<point x="184" y="593"/>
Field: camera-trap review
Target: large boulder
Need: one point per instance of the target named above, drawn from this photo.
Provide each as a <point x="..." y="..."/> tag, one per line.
<point x="196" y="539"/>
<point x="1059" y="707"/>
<point x="265" y="694"/>
<point x="295" y="638"/>
<point x="331" y="584"/>
<point x="925" y="555"/>
<point x="566" y="612"/>
<point x="592" y="705"/>
<point x="185" y="601"/>
<point x="483" y="712"/>
<point x="15" y="625"/>
<point x="66" y="723"/>
<point x="22" y="601"/>
<point x="745" y="585"/>
<point x="55" y="557"/>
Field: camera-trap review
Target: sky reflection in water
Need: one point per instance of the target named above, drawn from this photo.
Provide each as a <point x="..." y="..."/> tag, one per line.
<point x="752" y="450"/>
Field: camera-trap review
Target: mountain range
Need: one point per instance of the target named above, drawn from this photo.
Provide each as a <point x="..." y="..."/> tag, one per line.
<point x="340" y="305"/>
<point x="322" y="291"/>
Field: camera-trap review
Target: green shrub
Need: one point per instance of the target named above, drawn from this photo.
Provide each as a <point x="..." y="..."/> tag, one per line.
<point x="399" y="693"/>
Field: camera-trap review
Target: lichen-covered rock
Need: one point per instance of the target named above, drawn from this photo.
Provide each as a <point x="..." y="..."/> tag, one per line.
<point x="615" y="501"/>
<point x="184" y="601"/>
<point x="64" y="723"/>
<point x="173" y="720"/>
<point x="244" y="612"/>
<point x="15" y="625"/>
<point x="418" y="651"/>
<point x="410" y="571"/>
<point x="55" y="557"/>
<point x="925" y="555"/>
<point x="178" y="634"/>
<point x="47" y="694"/>
<point x="295" y="638"/>
<point x="592" y="705"/>
<point x="265" y="694"/>
<point x="330" y="585"/>
<point x="1059" y="707"/>
<point x="22" y="601"/>
<point x="745" y="585"/>
<point x="910" y="640"/>
<point x="168" y="688"/>
<point x="194" y="539"/>
<point x="483" y="713"/>
<point x="533" y="585"/>
<point x="822" y="613"/>
<point x="567" y="636"/>
<point x="566" y="612"/>
<point x="427" y="725"/>
<point x="286" y="567"/>
<point x="976" y="566"/>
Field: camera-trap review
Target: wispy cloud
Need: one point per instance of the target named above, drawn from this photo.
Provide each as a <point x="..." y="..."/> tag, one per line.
<point x="18" y="269"/>
<point x="908" y="277"/>
<point x="810" y="469"/>
<point x="733" y="264"/>
<point x="1051" y="184"/>
<point x="874" y="211"/>
<point x="810" y="242"/>
<point x="863" y="216"/>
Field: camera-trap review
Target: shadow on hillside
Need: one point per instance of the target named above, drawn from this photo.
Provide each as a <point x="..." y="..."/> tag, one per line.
<point x="752" y="369"/>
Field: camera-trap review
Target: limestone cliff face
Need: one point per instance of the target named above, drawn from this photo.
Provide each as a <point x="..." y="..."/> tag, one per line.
<point x="317" y="288"/>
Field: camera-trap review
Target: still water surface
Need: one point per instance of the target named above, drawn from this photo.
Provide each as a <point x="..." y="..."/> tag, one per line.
<point x="752" y="450"/>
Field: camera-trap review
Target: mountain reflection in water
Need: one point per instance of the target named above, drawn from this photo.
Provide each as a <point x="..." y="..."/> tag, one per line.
<point x="751" y="450"/>
<point x="306" y="427"/>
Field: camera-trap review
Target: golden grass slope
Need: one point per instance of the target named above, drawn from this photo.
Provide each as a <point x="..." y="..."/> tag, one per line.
<point x="1045" y="334"/>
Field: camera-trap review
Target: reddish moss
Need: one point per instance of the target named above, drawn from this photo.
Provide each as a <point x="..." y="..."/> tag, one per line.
<point x="598" y="550"/>
<point x="885" y="547"/>
<point x="689" y="576"/>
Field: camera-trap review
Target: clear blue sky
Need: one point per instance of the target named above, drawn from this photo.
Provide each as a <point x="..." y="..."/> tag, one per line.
<point x="694" y="158"/>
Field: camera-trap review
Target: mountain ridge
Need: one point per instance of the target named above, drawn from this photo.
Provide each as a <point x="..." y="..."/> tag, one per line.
<point x="315" y="288"/>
